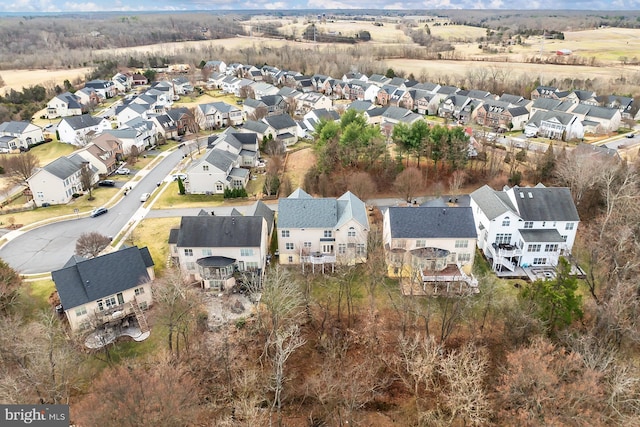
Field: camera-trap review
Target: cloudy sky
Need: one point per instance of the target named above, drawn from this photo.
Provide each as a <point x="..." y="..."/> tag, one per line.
<point x="23" y="6"/>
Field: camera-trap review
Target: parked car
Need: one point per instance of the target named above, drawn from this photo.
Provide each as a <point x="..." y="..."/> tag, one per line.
<point x="107" y="183"/>
<point x="123" y="171"/>
<point x="182" y="176"/>
<point x="145" y="197"/>
<point x="98" y="211"/>
<point x="631" y="135"/>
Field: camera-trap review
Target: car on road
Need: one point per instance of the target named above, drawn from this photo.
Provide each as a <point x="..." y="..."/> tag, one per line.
<point x="107" y="183"/>
<point x="631" y="135"/>
<point x="145" y="197"/>
<point x="98" y="211"/>
<point x="123" y="171"/>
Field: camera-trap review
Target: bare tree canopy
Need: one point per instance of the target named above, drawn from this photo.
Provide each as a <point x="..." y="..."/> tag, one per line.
<point x="20" y="167"/>
<point x="91" y="244"/>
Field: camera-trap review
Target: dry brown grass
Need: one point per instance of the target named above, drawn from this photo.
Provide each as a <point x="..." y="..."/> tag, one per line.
<point x="298" y="163"/>
<point x="17" y="79"/>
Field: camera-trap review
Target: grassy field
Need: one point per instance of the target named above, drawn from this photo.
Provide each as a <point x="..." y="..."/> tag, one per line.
<point x="171" y="198"/>
<point x="17" y="79"/>
<point x="211" y="96"/>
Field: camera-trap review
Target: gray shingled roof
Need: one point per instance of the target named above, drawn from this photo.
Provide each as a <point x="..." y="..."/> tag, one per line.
<point x="546" y="204"/>
<point x="255" y="126"/>
<point x="220" y="159"/>
<point x="63" y="167"/>
<point x="85" y="280"/>
<point x="82" y="122"/>
<point x="545" y="235"/>
<point x="280" y="121"/>
<point x="259" y="208"/>
<point x="300" y="210"/>
<point x="492" y="203"/>
<point x="13" y="127"/>
<point x="432" y="222"/>
<point x="546" y="104"/>
<point x="220" y="231"/>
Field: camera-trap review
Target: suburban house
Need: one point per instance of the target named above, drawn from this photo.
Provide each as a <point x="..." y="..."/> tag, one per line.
<point x="122" y="82"/>
<point x="130" y="111"/>
<point x="283" y="128"/>
<point x="555" y="125"/>
<point x="184" y="120"/>
<point x="80" y="130"/>
<point x="244" y="144"/>
<point x="18" y="135"/>
<point x="139" y="80"/>
<point x="88" y="97"/>
<point x="322" y="230"/>
<point x="622" y="103"/>
<point x="215" y="115"/>
<point x="453" y="105"/>
<point x="103" y="153"/>
<point x="433" y="245"/>
<point x="522" y="227"/>
<point x="64" y="105"/>
<point x="164" y="126"/>
<point x="215" y="172"/>
<point x="216" y="66"/>
<point x="181" y="85"/>
<point x="215" y="250"/>
<point x="57" y="182"/>
<point x="108" y="290"/>
<point x="104" y="88"/>
<point x="499" y="114"/>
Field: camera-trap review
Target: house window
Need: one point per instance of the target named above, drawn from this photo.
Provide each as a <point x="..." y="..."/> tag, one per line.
<point x="421" y="243"/>
<point x="539" y="261"/>
<point x="81" y="311"/>
<point x="219" y="187"/>
<point x="351" y="232"/>
<point x="342" y="249"/>
<point x="328" y="233"/>
<point x="360" y="249"/>
<point x="110" y="302"/>
<point x="206" y="252"/>
<point x="188" y="252"/>
<point x="284" y="233"/>
<point x="290" y="259"/>
<point x="190" y="266"/>
<point x="528" y="224"/>
<point x="288" y="246"/>
<point x="551" y="247"/>
<point x="503" y="238"/>
<point x="506" y="222"/>
<point x="462" y="243"/>
<point x="251" y="265"/>
<point x="307" y="244"/>
<point x="246" y="252"/>
<point x="143" y="305"/>
<point x="465" y="257"/>
<point x="568" y="226"/>
<point x="534" y="248"/>
<point x="138" y="291"/>
<point x="564" y="238"/>
<point x="205" y="168"/>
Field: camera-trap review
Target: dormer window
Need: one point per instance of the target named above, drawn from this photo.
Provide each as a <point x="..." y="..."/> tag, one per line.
<point x="506" y="221"/>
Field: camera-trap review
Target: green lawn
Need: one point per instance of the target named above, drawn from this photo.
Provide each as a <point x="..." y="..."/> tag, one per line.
<point x="34" y="296"/>
<point x="171" y="198"/>
<point x="154" y="234"/>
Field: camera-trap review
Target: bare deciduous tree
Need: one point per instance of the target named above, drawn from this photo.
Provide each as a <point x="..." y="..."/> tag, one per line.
<point x="408" y="183"/>
<point x="20" y="167"/>
<point x="362" y="185"/>
<point x="91" y="244"/>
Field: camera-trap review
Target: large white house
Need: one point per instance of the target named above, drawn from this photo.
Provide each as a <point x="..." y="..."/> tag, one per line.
<point x="322" y="230"/>
<point x="64" y="105"/>
<point x="79" y="130"/>
<point x="57" y="182"/>
<point x="522" y="227"/>
<point x="111" y="289"/>
<point x="19" y="135"/>
<point x="210" y="249"/>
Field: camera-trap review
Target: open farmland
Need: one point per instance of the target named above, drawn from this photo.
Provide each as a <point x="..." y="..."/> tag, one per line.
<point x="17" y="79"/>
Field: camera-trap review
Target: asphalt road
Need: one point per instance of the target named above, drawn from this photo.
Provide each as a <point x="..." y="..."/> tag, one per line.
<point x="49" y="247"/>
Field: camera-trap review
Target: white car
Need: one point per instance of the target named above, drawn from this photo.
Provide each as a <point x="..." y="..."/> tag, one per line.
<point x="182" y="176"/>
<point x="145" y="197"/>
<point x="123" y="171"/>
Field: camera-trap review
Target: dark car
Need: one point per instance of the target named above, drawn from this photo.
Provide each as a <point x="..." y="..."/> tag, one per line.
<point x="98" y="211"/>
<point x="107" y="183"/>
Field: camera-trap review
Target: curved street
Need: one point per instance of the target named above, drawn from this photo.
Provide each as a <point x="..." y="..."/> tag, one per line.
<point x="50" y="246"/>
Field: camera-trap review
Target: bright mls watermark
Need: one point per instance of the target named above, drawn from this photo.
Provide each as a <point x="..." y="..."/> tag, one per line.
<point x="34" y="415"/>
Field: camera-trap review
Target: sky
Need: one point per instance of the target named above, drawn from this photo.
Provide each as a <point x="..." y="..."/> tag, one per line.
<point x="39" y="6"/>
